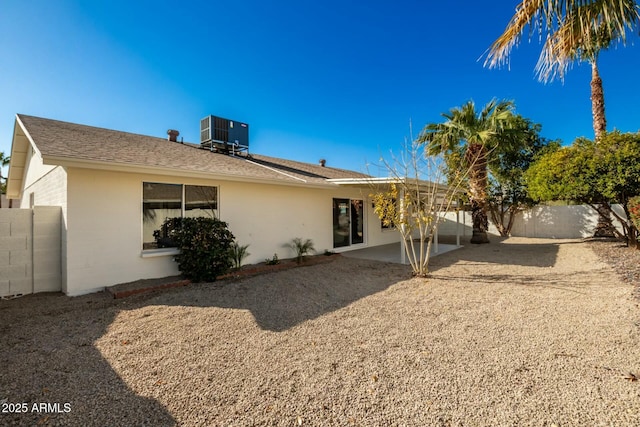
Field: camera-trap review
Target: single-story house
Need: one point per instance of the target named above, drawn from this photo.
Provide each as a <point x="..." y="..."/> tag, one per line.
<point x="115" y="189"/>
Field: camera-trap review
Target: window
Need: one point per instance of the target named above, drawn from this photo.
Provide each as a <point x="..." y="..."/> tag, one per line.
<point x="200" y="200"/>
<point x="162" y="201"/>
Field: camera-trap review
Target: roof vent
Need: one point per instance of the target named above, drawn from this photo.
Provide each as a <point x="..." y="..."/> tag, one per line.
<point x="173" y="135"/>
<point x="223" y="135"/>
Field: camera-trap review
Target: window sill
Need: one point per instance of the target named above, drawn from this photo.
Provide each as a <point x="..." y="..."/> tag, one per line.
<point x="153" y="253"/>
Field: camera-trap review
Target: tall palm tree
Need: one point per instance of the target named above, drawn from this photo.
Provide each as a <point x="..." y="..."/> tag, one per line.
<point x="574" y="30"/>
<point x="472" y="136"/>
<point x="4" y="161"/>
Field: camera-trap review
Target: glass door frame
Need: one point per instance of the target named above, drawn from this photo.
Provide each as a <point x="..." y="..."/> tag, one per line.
<point x="348" y="226"/>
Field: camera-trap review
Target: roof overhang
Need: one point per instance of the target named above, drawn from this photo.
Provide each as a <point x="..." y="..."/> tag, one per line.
<point x="68" y="162"/>
<point x="373" y="182"/>
<point x="21" y="144"/>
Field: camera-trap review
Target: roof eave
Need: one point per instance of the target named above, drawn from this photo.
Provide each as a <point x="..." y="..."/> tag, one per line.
<point x="158" y="170"/>
<point x="373" y="181"/>
<point x="21" y="143"/>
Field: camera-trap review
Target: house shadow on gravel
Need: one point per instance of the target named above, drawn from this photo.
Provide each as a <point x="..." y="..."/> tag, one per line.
<point x="48" y="356"/>
<point x="282" y="300"/>
<point x="49" y="353"/>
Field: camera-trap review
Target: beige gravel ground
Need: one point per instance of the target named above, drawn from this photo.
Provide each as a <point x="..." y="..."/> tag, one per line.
<point x="516" y="333"/>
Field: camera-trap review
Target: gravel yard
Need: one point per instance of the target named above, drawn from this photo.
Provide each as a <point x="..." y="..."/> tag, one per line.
<point x="516" y="333"/>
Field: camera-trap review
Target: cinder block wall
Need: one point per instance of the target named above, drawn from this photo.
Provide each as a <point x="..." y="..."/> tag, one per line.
<point x="47" y="264"/>
<point x="30" y="250"/>
<point x="558" y="222"/>
<point x="16" y="270"/>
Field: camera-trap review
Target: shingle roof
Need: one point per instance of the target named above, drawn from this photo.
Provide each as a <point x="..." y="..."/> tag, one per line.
<point x="58" y="141"/>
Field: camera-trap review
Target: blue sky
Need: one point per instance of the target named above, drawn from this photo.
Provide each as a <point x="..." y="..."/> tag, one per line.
<point x="332" y="79"/>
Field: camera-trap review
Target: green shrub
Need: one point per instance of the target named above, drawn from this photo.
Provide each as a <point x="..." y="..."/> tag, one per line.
<point x="205" y="246"/>
<point x="301" y="248"/>
<point x="238" y="253"/>
<point x="272" y="261"/>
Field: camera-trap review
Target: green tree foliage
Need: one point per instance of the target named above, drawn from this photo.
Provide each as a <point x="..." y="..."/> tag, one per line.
<point x="604" y="173"/>
<point x="573" y="30"/>
<point x="470" y="139"/>
<point x="507" y="193"/>
<point x="205" y="246"/>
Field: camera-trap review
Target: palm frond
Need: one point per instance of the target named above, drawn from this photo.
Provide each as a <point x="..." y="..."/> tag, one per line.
<point x="571" y="29"/>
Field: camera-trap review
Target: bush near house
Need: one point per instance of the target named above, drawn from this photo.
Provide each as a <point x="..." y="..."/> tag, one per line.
<point x="301" y="247"/>
<point x="205" y="246"/>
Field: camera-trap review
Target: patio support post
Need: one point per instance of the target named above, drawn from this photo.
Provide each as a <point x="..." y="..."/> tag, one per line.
<point x="458" y="223"/>
<point x="464" y="223"/>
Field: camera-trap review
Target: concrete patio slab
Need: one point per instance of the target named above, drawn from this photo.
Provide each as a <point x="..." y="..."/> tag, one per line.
<point x="391" y="252"/>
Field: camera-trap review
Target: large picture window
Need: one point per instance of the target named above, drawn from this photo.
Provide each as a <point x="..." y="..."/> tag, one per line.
<point x="161" y="201"/>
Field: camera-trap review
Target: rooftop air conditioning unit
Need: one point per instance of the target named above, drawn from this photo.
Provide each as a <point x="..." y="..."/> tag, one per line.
<point x="224" y="135"/>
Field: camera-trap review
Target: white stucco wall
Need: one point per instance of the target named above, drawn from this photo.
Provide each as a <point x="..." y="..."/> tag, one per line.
<point x="268" y="217"/>
<point x="104" y="237"/>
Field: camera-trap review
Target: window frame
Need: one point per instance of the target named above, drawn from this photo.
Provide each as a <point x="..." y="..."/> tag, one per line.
<point x="154" y="252"/>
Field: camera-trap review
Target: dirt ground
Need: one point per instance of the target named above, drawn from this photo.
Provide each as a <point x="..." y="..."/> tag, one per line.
<point x="518" y="332"/>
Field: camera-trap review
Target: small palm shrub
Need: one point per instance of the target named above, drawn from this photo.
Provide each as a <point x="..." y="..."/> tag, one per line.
<point x="301" y="248"/>
<point x="238" y="253"/>
<point x="205" y="245"/>
<point x="273" y="261"/>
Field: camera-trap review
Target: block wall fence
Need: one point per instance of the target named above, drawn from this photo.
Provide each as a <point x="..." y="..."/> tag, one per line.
<point x="30" y="250"/>
<point x="552" y="222"/>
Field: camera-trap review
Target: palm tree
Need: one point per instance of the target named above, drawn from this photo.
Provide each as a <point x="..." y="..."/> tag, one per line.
<point x="472" y="136"/>
<point x="575" y="30"/>
<point x="4" y="161"/>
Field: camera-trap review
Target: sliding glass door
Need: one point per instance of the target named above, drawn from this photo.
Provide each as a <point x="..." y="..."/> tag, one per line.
<point x="348" y="222"/>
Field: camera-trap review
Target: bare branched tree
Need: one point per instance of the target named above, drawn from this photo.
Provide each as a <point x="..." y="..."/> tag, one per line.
<point x="414" y="199"/>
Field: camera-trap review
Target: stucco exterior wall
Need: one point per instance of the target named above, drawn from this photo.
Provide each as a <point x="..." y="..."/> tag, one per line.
<point x="268" y="217"/>
<point x="104" y="213"/>
<point x="104" y="238"/>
